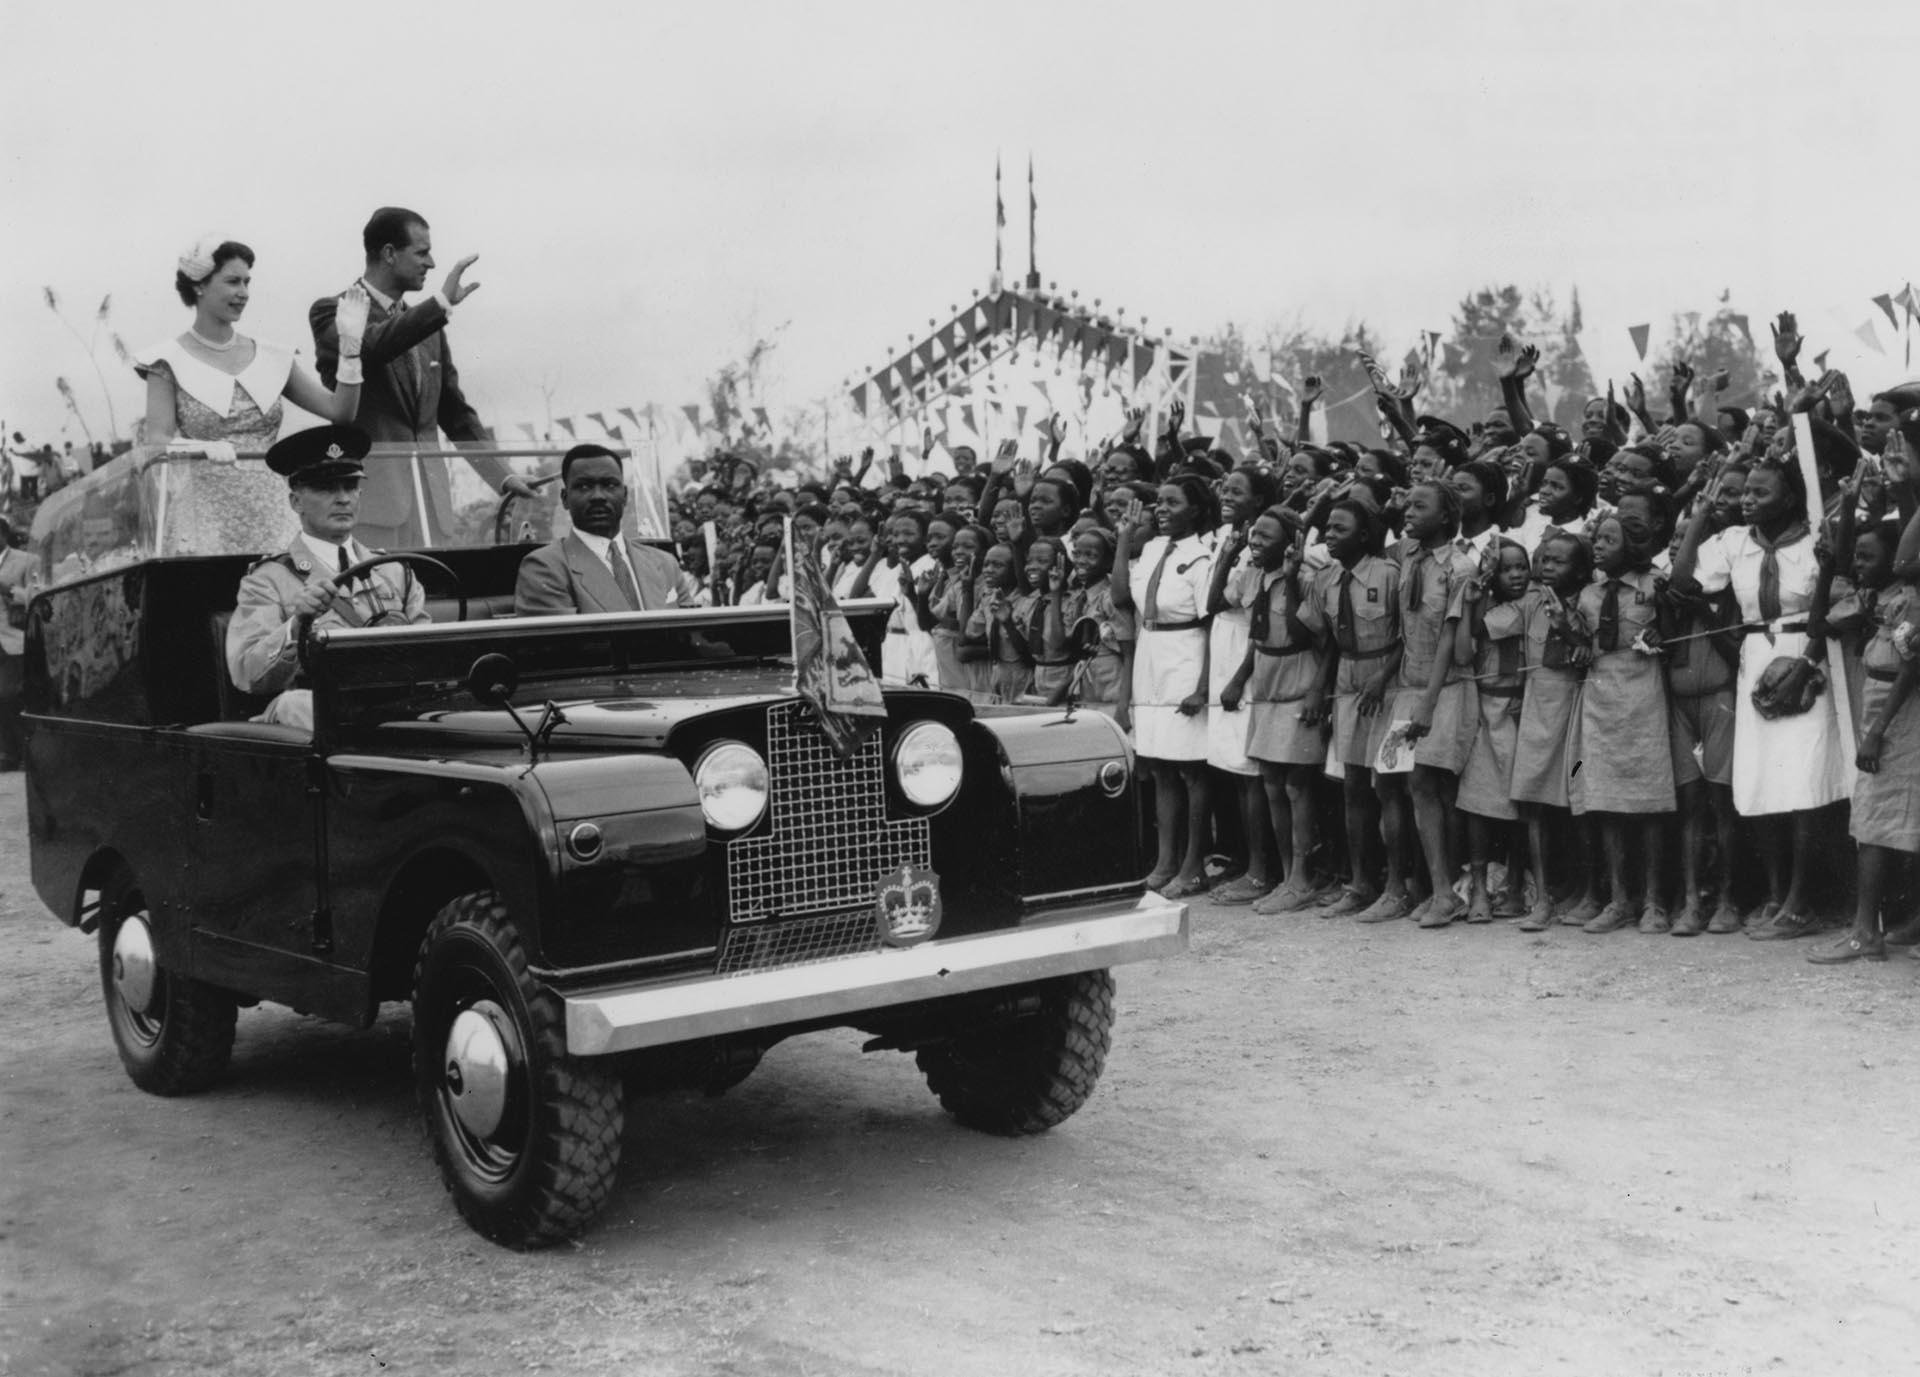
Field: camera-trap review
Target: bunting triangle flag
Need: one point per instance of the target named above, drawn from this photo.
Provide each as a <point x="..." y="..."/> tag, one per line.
<point x="527" y="426"/>
<point x="760" y="420"/>
<point x="1640" y="334"/>
<point x="1870" y="336"/>
<point x="1142" y="361"/>
<point x="1907" y="300"/>
<point x="692" y="412"/>
<point x="860" y="400"/>
<point x="599" y="418"/>
<point x="1820" y="359"/>
<point x="1040" y="386"/>
<point x="966" y="417"/>
<point x="1019" y="418"/>
<point x="565" y="425"/>
<point x="1740" y="324"/>
<point x="1885" y="302"/>
<point x="627" y="411"/>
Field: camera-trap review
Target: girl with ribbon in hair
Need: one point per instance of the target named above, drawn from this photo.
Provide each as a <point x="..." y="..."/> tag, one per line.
<point x="1165" y="587"/>
<point x="1244" y="494"/>
<point x="1493" y="635"/>
<point x="1556" y="656"/>
<point x="1785" y="767"/>
<point x="1621" y="740"/>
<point x="215" y="391"/>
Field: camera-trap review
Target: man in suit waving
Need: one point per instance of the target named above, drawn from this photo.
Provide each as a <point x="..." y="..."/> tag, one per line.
<point x="596" y="568"/>
<point x="411" y="385"/>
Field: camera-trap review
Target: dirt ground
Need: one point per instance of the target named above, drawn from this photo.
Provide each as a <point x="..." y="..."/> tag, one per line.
<point x="1318" y="1148"/>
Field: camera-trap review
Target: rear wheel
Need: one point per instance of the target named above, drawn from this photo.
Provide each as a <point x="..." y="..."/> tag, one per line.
<point x="1030" y="1074"/>
<point x="527" y="1137"/>
<point x="174" y="1034"/>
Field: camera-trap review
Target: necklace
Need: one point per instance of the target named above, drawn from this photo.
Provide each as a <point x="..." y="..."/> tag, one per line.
<point x="206" y="343"/>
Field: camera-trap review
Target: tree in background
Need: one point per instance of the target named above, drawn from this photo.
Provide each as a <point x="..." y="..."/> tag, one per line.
<point x="1707" y="344"/>
<point x="1465" y="385"/>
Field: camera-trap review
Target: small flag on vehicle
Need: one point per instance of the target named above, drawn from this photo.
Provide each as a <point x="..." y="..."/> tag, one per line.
<point x="829" y="671"/>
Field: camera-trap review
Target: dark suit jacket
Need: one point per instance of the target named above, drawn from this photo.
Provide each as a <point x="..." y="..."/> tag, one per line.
<point x="565" y="576"/>
<point x="411" y="389"/>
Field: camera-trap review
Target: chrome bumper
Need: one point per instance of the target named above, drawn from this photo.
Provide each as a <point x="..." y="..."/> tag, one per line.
<point x="1081" y="939"/>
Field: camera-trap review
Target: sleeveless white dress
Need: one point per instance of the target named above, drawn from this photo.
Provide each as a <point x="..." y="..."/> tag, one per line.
<point x="217" y="508"/>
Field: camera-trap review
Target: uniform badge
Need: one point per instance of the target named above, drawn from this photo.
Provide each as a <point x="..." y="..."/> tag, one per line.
<point x="335" y="452"/>
<point x="907" y="909"/>
<point x="1373" y="595"/>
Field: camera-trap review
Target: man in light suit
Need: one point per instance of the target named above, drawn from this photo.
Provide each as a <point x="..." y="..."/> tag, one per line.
<point x="323" y="471"/>
<point x="411" y="385"/>
<point x="596" y="568"/>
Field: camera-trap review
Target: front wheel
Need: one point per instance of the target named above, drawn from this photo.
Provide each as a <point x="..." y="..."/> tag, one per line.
<point x="1035" y="1072"/>
<point x="174" y="1034"/>
<point x="527" y="1137"/>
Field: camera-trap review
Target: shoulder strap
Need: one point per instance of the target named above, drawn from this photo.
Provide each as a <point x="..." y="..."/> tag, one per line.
<point x="284" y="559"/>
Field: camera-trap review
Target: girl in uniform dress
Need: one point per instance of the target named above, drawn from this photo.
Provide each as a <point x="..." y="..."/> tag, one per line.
<point x="1166" y="589"/>
<point x="943" y="606"/>
<point x="1283" y="680"/>
<point x="1886" y="792"/>
<point x="1100" y="633"/>
<point x="1244" y="494"/>
<point x="1496" y="625"/>
<point x="1622" y="743"/>
<point x="1784" y="768"/>
<point x="1354" y="612"/>
<point x="1042" y="627"/>
<point x="1003" y="586"/>
<point x="1556" y="657"/>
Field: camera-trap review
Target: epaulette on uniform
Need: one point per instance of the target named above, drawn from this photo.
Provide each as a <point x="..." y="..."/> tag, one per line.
<point x="284" y="559"/>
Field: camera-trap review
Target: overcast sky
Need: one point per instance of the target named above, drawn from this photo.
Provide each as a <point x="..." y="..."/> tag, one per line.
<point x="649" y="187"/>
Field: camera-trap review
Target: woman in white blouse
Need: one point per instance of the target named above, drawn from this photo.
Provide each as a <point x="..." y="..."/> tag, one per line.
<point x="1166" y="585"/>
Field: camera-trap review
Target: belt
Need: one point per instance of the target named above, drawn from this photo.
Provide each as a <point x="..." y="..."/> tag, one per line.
<point x="1885" y="676"/>
<point x="1282" y="649"/>
<point x="1373" y="654"/>
<point x="1774" y="627"/>
<point x="1502" y="691"/>
<point x="1195" y="625"/>
<point x="896" y="631"/>
<point x="1068" y="661"/>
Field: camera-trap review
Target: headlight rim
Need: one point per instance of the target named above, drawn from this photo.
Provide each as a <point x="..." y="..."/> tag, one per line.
<point x="700" y="765"/>
<point x="906" y="736"/>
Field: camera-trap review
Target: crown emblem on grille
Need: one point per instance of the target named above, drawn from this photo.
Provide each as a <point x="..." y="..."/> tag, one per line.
<point x="908" y="906"/>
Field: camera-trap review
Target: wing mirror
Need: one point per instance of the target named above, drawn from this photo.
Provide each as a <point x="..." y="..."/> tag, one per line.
<point x="493" y="679"/>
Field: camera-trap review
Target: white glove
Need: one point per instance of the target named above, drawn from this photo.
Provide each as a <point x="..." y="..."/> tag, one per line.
<point x="350" y="319"/>
<point x="219" y="451"/>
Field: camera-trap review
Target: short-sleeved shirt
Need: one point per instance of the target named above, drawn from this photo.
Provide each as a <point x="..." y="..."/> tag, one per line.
<point x="1283" y="678"/>
<point x="1184" y="581"/>
<point x="1376" y="615"/>
<point x="1732" y="559"/>
<point x="1443" y="574"/>
<point x="1639" y="609"/>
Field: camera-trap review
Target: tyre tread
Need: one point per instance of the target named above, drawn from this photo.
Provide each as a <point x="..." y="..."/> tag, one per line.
<point x="1035" y="1073"/>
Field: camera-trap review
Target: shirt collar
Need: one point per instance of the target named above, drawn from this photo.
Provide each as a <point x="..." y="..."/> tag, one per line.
<point x="385" y="302"/>
<point x="599" y="544"/>
<point x="326" y="554"/>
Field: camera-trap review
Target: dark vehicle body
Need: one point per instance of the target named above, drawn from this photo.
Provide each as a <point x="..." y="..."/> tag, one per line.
<point x="534" y="868"/>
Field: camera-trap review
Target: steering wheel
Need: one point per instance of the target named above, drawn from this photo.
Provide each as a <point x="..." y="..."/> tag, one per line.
<point x="356" y="571"/>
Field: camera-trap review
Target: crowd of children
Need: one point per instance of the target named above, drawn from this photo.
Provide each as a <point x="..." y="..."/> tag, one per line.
<point x="1459" y="676"/>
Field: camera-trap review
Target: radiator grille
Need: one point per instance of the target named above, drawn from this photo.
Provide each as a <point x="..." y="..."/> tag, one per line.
<point x="828" y="841"/>
<point x="789" y="943"/>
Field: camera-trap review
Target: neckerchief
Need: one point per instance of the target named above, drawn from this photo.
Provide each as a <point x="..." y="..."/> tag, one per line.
<point x="1770" y="567"/>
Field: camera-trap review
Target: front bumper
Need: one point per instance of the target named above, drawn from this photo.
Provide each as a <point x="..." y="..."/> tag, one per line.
<point x="1087" y="938"/>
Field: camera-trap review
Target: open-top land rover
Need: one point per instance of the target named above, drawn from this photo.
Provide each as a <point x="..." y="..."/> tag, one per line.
<point x="597" y="854"/>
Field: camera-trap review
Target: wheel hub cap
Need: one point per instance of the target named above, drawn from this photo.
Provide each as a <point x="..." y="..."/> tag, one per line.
<point x="479" y="1068"/>
<point x="133" y="964"/>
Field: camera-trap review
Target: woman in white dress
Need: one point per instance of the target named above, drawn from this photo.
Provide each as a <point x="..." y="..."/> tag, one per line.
<point x="1166" y="585"/>
<point x="1783" y="767"/>
<point x="215" y="390"/>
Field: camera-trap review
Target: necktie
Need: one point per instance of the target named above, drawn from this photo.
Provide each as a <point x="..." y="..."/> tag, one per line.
<point x="1343" y="628"/>
<point x="1610" y="615"/>
<point x="412" y="361"/>
<point x="344" y="561"/>
<point x="1153" y="583"/>
<point x="1262" y="620"/>
<point x="1416" y="579"/>
<point x="623" y="578"/>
